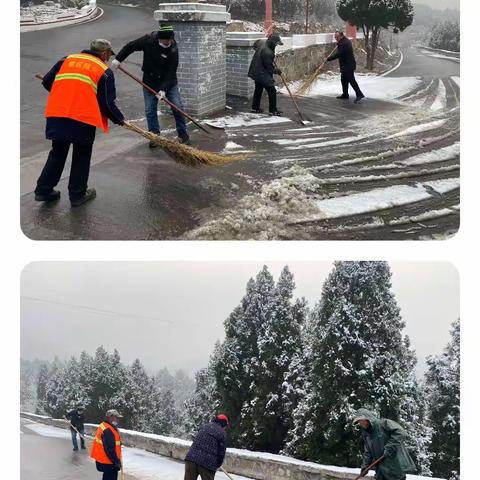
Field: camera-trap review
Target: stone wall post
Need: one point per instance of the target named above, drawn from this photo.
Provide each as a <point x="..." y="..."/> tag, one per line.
<point x="200" y="31"/>
<point x="239" y="55"/>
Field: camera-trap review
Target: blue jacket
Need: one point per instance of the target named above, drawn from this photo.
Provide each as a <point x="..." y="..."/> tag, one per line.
<point x="72" y="131"/>
<point x="208" y="447"/>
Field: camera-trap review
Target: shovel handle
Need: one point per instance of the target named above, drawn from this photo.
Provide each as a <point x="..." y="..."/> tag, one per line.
<point x="364" y="472"/>
<point x="226" y="473"/>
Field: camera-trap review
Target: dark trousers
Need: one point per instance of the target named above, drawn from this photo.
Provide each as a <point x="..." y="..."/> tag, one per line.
<point x="192" y="471"/>
<point x="52" y="171"/>
<point x="111" y="475"/>
<point x="349" y="78"/>
<point x="257" y="97"/>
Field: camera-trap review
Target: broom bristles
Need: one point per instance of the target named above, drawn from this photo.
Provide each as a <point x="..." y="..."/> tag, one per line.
<point x="185" y="154"/>
<point x="310" y="81"/>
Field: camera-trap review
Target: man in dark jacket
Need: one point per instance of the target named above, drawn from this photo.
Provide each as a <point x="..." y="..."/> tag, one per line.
<point x="160" y="63"/>
<point x="208" y="449"/>
<point x="261" y="71"/>
<point x="348" y="65"/>
<point x="383" y="437"/>
<point x="65" y="130"/>
<point x="76" y="417"/>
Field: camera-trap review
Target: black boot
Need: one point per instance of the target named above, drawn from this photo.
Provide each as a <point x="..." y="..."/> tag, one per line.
<point x="359" y="98"/>
<point x="90" y="194"/>
<point x="151" y="143"/>
<point x="276" y="113"/>
<point x="47" y="197"/>
<point x="257" y="110"/>
<point x="343" y="97"/>
<point x="184" y="138"/>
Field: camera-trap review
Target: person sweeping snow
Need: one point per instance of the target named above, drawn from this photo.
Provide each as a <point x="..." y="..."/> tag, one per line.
<point x="261" y="71"/>
<point x="348" y="65"/>
<point x="76" y="417"/>
<point x="208" y="449"/>
<point x="383" y="438"/>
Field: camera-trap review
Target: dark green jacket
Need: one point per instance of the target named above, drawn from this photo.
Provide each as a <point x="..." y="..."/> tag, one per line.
<point x="385" y="437"/>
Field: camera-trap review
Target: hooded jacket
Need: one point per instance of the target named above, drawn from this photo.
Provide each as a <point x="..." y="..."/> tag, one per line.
<point x="344" y="53"/>
<point x="385" y="437"/>
<point x="261" y="67"/>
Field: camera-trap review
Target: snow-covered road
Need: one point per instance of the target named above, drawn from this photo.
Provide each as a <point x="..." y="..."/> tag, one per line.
<point x="46" y="454"/>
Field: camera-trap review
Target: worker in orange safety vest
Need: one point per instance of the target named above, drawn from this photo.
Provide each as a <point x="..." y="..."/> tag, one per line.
<point x="82" y="98"/>
<point x="107" y="446"/>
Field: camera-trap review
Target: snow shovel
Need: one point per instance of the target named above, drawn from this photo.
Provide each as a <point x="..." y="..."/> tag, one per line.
<point x="226" y="473"/>
<point x="165" y="100"/>
<point x="303" y="119"/>
<point x="376" y="462"/>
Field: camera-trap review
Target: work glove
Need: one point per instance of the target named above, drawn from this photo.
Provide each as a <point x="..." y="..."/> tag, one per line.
<point x="363" y="469"/>
<point x="117" y="466"/>
<point x="161" y="94"/>
<point x="277" y="71"/>
<point x="115" y="63"/>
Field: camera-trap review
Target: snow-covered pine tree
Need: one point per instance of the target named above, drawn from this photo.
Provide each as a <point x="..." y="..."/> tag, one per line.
<point x="442" y="385"/>
<point x="279" y="349"/>
<point x="358" y="357"/>
<point x="203" y="404"/>
<point x="42" y="381"/>
<point x="164" y="414"/>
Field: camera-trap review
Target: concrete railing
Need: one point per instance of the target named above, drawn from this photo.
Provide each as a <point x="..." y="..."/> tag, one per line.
<point x="255" y="465"/>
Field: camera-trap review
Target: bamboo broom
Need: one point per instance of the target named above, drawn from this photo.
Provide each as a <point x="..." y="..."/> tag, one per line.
<point x="179" y="152"/>
<point x="309" y="81"/>
<point x="183" y="153"/>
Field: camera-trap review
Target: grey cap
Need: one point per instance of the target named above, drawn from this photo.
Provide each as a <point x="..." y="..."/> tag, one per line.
<point x="101" y="45"/>
<point x="113" y="413"/>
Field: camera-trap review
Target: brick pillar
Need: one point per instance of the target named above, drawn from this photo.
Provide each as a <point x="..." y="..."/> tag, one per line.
<point x="200" y="31"/>
<point x="351" y="31"/>
<point x="239" y="55"/>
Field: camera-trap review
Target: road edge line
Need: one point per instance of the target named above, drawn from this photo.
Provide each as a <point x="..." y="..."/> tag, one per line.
<point x="395" y="67"/>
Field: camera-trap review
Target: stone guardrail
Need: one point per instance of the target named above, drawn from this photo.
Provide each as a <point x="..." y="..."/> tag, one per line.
<point x="446" y="53"/>
<point x="30" y="25"/>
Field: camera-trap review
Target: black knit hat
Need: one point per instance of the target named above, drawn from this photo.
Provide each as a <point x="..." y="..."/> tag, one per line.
<point x="165" y="32"/>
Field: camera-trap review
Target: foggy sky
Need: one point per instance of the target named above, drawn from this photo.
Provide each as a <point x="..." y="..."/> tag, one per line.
<point x="171" y="314"/>
<point x="439" y="4"/>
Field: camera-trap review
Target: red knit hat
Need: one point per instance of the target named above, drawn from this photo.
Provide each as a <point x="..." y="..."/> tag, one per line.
<point x="222" y="416"/>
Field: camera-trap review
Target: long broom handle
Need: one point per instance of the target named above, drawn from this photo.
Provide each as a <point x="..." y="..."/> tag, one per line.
<point x="376" y="462"/>
<point x="290" y="93"/>
<point x="163" y="99"/>
<point x="73" y="426"/>
<point x="226" y="473"/>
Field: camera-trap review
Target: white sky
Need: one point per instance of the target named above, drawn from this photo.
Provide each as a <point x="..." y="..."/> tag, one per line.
<point x="171" y="314"/>
<point x="440" y="4"/>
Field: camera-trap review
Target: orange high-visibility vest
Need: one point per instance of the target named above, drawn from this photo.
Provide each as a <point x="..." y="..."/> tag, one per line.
<point x="98" y="452"/>
<point x="74" y="91"/>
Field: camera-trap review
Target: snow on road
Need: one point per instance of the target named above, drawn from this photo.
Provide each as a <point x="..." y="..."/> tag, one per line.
<point x="245" y="120"/>
<point x="441" y="98"/>
<point x="381" y="88"/>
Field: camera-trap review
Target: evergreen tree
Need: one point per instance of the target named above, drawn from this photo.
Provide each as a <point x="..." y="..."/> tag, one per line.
<point x="374" y="15"/>
<point x="359" y="358"/>
<point x="204" y="403"/>
<point x="42" y="380"/>
<point x="442" y="385"/>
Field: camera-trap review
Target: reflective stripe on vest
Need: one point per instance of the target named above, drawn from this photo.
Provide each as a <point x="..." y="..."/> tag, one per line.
<point x="74" y="90"/>
<point x="98" y="452"/>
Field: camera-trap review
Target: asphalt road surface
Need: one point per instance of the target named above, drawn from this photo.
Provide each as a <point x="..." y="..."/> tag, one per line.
<point x="384" y="153"/>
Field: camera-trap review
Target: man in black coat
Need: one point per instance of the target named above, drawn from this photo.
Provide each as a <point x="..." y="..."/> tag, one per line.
<point x="208" y="449"/>
<point x="348" y="65"/>
<point x="160" y="63"/>
<point x="261" y="71"/>
<point x="76" y="417"/>
<point x="63" y="132"/>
